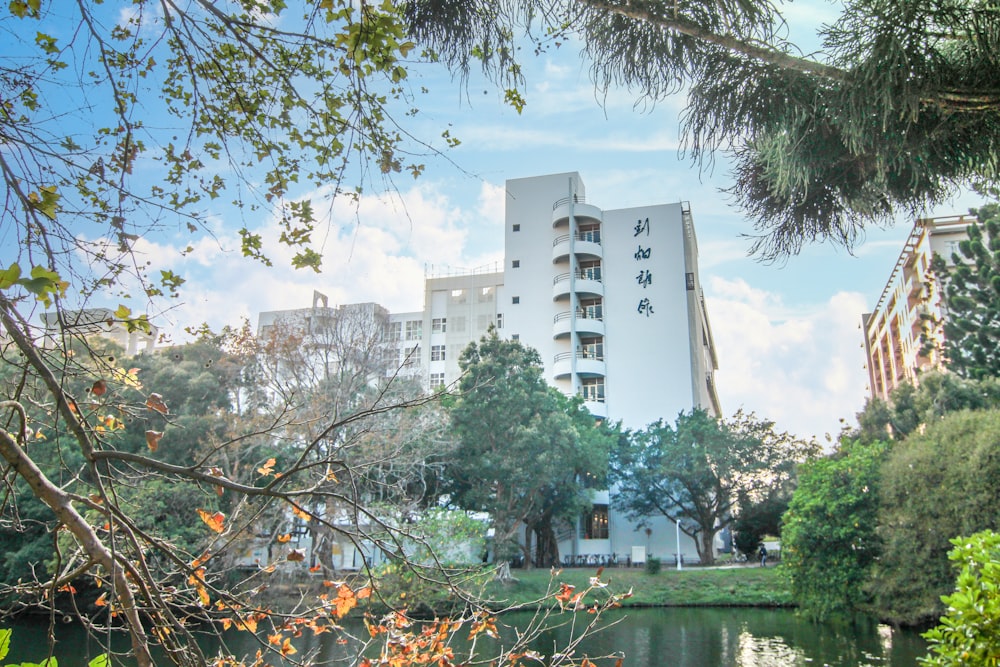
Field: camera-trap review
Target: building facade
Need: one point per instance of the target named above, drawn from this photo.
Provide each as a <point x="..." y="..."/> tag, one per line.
<point x="612" y="301"/>
<point x="909" y="303"/>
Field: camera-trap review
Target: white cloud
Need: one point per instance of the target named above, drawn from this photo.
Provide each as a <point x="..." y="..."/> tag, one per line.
<point x="802" y="369"/>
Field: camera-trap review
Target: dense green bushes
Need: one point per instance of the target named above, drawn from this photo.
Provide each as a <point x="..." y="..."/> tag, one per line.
<point x="936" y="486"/>
<point x="829" y="540"/>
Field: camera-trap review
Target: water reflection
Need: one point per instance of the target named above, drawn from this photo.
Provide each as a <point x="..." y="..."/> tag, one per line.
<point x="673" y="637"/>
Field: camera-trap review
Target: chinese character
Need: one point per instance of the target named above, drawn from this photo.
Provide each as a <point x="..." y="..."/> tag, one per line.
<point x="642" y="226"/>
<point x="642" y="253"/>
<point x="645" y="307"/>
<point x="644" y="278"/>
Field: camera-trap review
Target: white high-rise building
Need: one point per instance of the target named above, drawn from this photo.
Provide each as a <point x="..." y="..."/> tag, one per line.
<point x="612" y="301"/>
<point x="610" y="298"/>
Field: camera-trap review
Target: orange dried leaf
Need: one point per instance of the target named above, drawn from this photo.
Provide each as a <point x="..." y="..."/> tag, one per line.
<point x="363" y="593"/>
<point x="99" y="388"/>
<point x="267" y="468"/>
<point x="213" y="520"/>
<point x="346" y="600"/>
<point x="102" y="601"/>
<point x="153" y="439"/>
<point x="296" y="555"/>
<point x="316" y="568"/>
<point x="203" y="596"/>
<point x="155" y="402"/>
<point x="282" y="539"/>
<point x="287" y="648"/>
<point x="301" y="513"/>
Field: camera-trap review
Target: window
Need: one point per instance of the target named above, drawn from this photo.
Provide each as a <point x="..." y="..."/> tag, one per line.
<point x="414" y="329"/>
<point x="516" y="337"/>
<point x="591" y="270"/>
<point x="394" y="332"/>
<point x="483" y="322"/>
<point x="437" y="353"/>
<point x="437" y="380"/>
<point x="458" y="296"/>
<point x="517" y="227"/>
<point x="515" y="300"/>
<point x="590" y="232"/>
<point x="439" y="325"/>
<point x="592" y="348"/>
<point x="515" y="264"/>
<point x="592" y="309"/>
<point x="486" y="295"/>
<point x="458" y="324"/>
<point x="410" y="358"/>
<point x="499" y="320"/>
<point x="592" y="389"/>
<point x="595" y="524"/>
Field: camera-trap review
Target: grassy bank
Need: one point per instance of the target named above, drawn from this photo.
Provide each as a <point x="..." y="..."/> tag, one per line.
<point x="739" y="586"/>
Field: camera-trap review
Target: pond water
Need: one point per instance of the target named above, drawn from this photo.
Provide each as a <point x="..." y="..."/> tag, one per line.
<point x="664" y="637"/>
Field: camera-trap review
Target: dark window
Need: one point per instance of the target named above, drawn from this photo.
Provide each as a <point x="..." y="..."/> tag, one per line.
<point x="515" y="299"/>
<point x="515" y="264"/>
<point x="595" y="524"/>
<point x="517" y="228"/>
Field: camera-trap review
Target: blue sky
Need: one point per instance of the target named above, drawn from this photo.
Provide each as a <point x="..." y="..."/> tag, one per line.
<point x="788" y="335"/>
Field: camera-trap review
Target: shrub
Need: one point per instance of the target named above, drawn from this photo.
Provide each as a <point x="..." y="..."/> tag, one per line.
<point x="653" y="565"/>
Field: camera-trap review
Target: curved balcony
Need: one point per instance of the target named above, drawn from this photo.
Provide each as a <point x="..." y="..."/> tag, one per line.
<point x="586" y="285"/>
<point x="581" y="211"/>
<point x="588" y="245"/>
<point x="586" y="365"/>
<point x="598" y="409"/>
<point x="562" y="322"/>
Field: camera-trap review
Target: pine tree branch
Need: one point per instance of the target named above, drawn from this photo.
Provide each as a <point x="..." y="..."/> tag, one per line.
<point x="728" y="42"/>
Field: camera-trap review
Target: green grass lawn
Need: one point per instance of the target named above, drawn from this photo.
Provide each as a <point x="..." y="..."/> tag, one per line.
<point x="738" y="586"/>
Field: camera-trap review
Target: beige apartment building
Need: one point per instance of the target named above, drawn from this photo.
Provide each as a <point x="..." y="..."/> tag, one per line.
<point x="909" y="304"/>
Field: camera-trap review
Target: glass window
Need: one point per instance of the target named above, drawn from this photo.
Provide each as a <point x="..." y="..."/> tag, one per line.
<point x="592" y="309"/>
<point x="592" y="348"/>
<point x="591" y="269"/>
<point x="515" y="300"/>
<point x="414" y="329"/>
<point x="592" y="389"/>
<point x="437" y="380"/>
<point x="595" y="524"/>
<point x="437" y="352"/>
<point x="394" y="332"/>
<point x="439" y="325"/>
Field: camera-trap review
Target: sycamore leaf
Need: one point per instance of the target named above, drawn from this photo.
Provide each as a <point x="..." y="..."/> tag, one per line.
<point x="346" y="600"/>
<point x="282" y="539"/>
<point x="316" y="568"/>
<point x="155" y="402"/>
<point x="213" y="520"/>
<point x="153" y="439"/>
<point x="296" y="556"/>
<point x="99" y="388"/>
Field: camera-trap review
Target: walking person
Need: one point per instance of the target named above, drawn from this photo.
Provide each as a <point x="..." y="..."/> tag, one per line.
<point x="763" y="555"/>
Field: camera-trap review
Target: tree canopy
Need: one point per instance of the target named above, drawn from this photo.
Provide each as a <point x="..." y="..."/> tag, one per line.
<point x="696" y="470"/>
<point x="505" y="416"/>
<point x="896" y="109"/>
<point x="970" y="293"/>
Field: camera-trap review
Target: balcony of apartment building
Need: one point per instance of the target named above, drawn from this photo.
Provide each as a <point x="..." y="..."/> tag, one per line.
<point x="593" y="394"/>
<point x="586" y="244"/>
<point x="588" y="319"/>
<point x="582" y="211"/>
<point x="588" y="281"/>
<point x="587" y="361"/>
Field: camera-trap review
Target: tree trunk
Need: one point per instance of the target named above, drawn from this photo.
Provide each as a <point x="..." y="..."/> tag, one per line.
<point x="707" y="551"/>
<point x="526" y="547"/>
<point x="502" y="573"/>
<point x="547" y="551"/>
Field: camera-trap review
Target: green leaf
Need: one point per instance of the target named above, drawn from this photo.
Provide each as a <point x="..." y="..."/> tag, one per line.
<point x="8" y="277"/>
<point x="5" y="634"/>
<point x="103" y="660"/>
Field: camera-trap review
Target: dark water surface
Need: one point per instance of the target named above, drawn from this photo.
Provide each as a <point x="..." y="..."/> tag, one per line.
<point x="681" y="637"/>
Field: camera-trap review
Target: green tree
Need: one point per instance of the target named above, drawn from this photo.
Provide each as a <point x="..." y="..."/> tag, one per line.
<point x="754" y="520"/>
<point x="505" y="416"/>
<point x="935" y="486"/>
<point x="967" y="634"/>
<point x="695" y="471"/>
<point x="911" y="408"/>
<point x="894" y="110"/>
<point x="969" y="283"/>
<point x="829" y="542"/>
